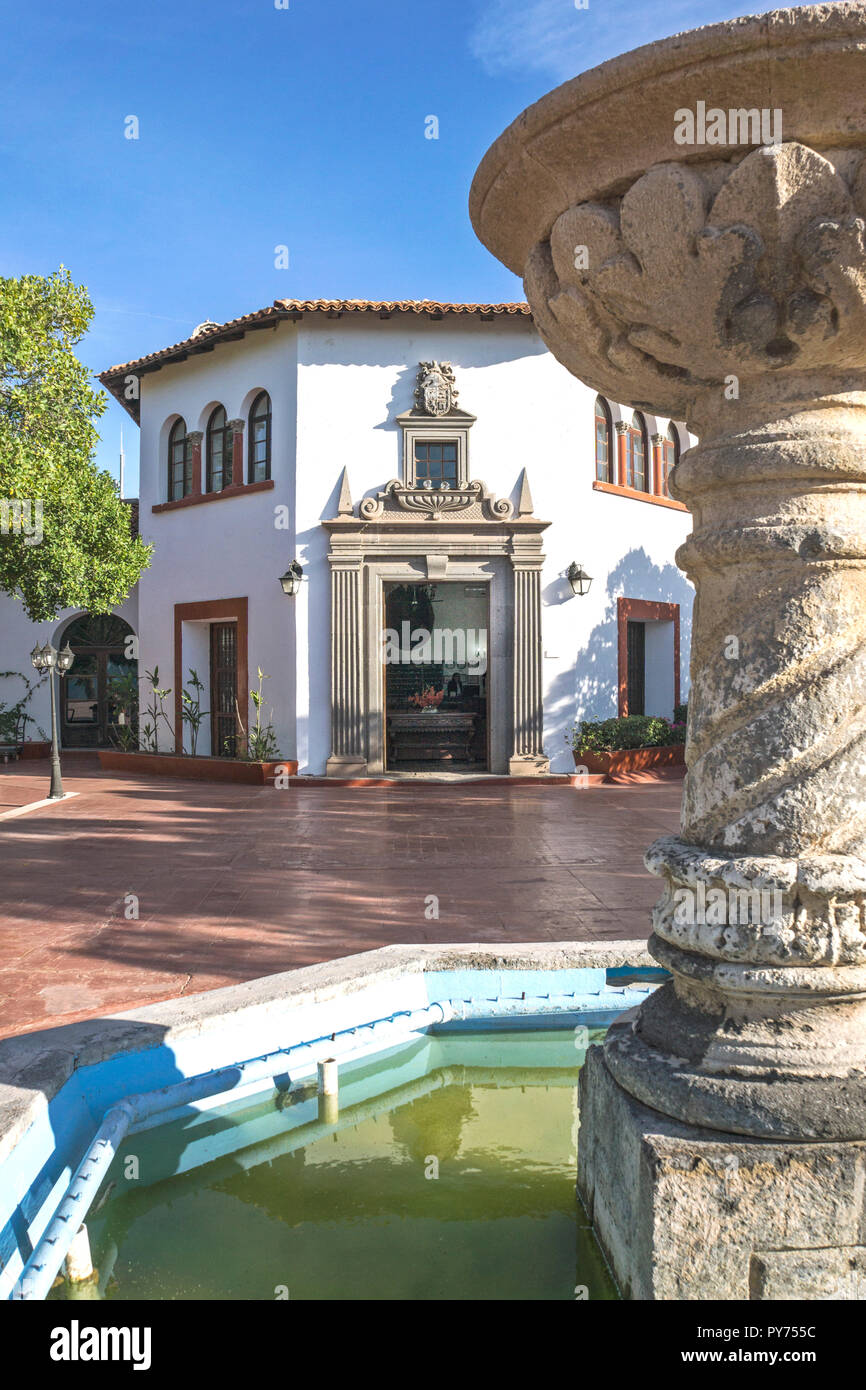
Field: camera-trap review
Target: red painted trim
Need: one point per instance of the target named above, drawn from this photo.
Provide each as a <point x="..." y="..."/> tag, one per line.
<point x="618" y="491"/>
<point x="233" y="490"/>
<point x="197" y="769"/>
<point x="238" y="459"/>
<point x="657" y="471"/>
<point x="484" y="782"/>
<point x="196" y="478"/>
<point x="631" y="759"/>
<point x="620" y="464"/>
<point x="643" y="611"/>
<point x="211" y="610"/>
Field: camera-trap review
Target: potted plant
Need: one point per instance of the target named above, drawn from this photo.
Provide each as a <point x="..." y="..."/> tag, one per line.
<point x="628" y="744"/>
<point x="252" y="756"/>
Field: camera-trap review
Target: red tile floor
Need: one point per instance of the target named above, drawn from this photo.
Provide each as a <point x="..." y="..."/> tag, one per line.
<point x="236" y="882"/>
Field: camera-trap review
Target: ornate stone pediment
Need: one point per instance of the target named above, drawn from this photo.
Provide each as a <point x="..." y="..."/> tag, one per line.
<point x="473" y="501"/>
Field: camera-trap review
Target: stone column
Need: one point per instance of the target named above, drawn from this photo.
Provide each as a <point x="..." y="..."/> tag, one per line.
<point x="528" y="758"/>
<point x="237" y="429"/>
<point x="727" y="286"/>
<point x="348" y="735"/>
<point x="195" y="438"/>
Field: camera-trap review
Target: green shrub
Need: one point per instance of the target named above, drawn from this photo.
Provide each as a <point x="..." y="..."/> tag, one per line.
<point x="681" y="712"/>
<point x="631" y="731"/>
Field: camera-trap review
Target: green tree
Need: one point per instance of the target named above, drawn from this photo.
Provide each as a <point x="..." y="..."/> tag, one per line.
<point x="65" y="538"/>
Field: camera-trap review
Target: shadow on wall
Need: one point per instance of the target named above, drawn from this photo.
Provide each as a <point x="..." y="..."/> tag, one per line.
<point x="589" y="689"/>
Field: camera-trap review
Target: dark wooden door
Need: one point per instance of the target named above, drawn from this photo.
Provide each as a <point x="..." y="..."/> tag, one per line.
<point x="636" y="667"/>
<point x="89" y="711"/>
<point x="223" y="689"/>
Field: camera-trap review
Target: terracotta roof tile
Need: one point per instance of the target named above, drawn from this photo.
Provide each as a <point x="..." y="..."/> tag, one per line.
<point x="207" y="336"/>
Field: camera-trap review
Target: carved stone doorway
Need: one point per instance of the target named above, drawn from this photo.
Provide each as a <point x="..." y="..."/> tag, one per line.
<point x="426" y="537"/>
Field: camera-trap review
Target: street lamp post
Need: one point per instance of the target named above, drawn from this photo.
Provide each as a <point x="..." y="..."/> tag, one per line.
<point x="49" y="659"/>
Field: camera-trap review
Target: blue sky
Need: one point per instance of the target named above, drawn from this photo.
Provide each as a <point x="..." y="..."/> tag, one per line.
<point x="261" y="127"/>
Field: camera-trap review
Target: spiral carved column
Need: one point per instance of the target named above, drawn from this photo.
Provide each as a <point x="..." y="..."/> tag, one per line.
<point x="763" y="917"/>
<point x="724" y="283"/>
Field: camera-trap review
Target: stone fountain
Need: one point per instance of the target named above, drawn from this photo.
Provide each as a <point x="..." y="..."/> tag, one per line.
<point x="689" y="223"/>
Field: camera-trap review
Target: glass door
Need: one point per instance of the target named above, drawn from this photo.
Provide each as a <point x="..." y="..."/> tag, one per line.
<point x="435" y="655"/>
<point x="89" y="714"/>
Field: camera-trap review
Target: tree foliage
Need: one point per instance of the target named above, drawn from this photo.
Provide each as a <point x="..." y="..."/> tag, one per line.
<point x="86" y="556"/>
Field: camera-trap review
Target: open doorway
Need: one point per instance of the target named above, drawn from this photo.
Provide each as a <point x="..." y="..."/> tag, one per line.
<point x="649" y="657"/>
<point x="435" y="652"/>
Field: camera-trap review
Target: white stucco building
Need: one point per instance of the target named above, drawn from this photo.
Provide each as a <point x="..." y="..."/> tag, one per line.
<point x="321" y="431"/>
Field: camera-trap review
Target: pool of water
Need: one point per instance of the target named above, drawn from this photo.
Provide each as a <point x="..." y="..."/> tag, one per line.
<point x="449" y="1173"/>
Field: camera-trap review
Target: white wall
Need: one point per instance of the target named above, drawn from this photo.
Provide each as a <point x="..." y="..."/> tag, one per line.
<point x="356" y="375"/>
<point x="231" y="547"/>
<point x="18" y="637"/>
<point x="336" y="387"/>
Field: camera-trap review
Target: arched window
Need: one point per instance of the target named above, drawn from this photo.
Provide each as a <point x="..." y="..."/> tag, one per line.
<point x="602" y="441"/>
<point x="179" y="462"/>
<point x="219" y="452"/>
<point x="670" y="456"/>
<point x="259" y="468"/>
<point x="636" y="453"/>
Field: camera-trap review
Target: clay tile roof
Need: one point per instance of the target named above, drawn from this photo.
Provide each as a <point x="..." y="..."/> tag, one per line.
<point x="207" y="335"/>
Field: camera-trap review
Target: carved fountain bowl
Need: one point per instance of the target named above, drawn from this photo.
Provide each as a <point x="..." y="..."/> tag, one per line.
<point x="655" y="267"/>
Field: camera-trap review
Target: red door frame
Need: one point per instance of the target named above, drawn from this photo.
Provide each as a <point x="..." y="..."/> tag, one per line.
<point x="638" y="610"/>
<point x="213" y="610"/>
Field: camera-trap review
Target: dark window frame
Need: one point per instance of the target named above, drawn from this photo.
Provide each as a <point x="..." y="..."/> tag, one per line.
<point x="177" y="438"/>
<point x="254" y="464"/>
<point x="227" y="448"/>
<point x="637" y="432"/>
<point x="603" y="468"/>
<point x="452" y="463"/>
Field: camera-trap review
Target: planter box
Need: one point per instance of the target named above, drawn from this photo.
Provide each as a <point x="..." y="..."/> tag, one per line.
<point x="631" y="760"/>
<point x="35" y="749"/>
<point x="194" y="769"/>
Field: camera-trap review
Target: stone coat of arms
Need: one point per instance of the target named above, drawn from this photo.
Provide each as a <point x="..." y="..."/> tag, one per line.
<point x="436" y="392"/>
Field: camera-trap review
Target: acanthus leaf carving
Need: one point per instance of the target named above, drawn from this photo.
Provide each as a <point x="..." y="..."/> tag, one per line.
<point x="668" y="290"/>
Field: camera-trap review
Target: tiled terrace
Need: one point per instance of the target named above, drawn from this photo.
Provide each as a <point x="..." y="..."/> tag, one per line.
<point x="237" y="882"/>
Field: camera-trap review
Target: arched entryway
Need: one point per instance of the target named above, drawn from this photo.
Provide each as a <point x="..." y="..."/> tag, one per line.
<point x="104" y="654"/>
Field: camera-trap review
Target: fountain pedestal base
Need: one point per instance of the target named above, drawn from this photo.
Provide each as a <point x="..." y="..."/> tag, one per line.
<point x="688" y="1213"/>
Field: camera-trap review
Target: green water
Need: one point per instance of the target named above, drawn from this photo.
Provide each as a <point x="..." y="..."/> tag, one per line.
<point x="449" y="1174"/>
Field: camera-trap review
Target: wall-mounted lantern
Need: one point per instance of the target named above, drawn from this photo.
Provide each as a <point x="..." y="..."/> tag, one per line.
<point x="291" y="580"/>
<point x="578" y="579"/>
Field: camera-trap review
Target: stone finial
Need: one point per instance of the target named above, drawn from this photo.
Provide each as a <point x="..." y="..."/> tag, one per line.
<point x="344" y="503"/>
<point x="524" y="501"/>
